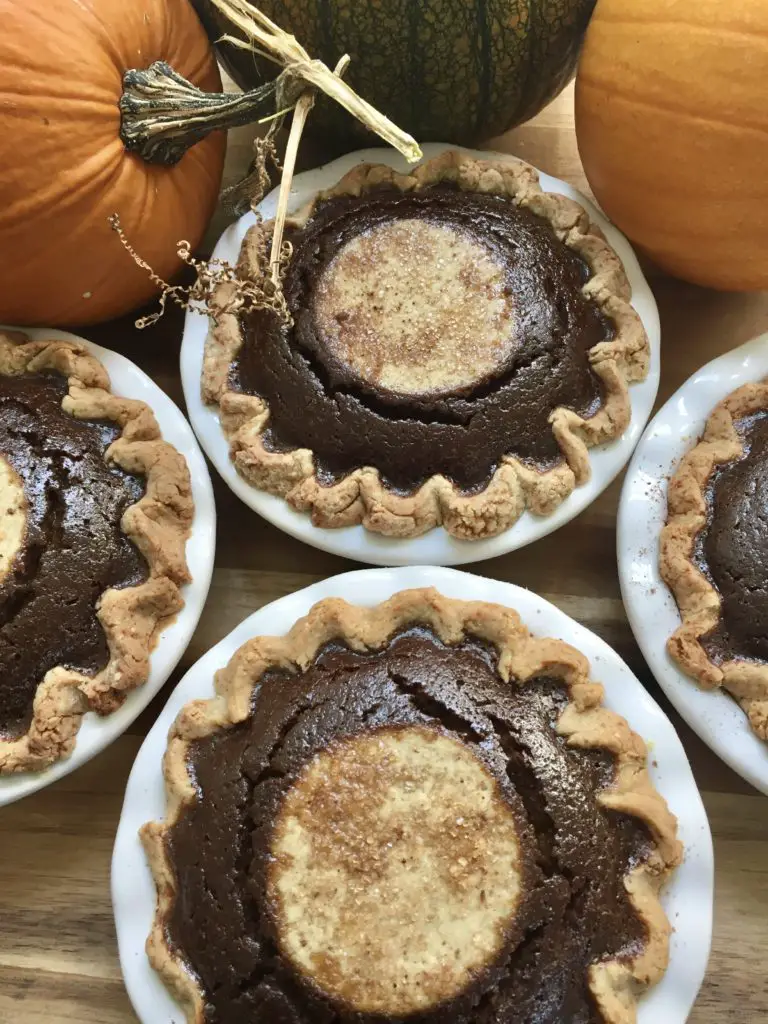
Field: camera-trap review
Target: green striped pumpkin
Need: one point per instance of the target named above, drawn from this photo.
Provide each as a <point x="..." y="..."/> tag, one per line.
<point x="447" y="70"/>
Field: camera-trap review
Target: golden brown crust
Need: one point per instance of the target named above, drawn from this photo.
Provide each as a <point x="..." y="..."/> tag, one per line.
<point x="158" y="524"/>
<point x="585" y="722"/>
<point x="696" y="597"/>
<point x="362" y="497"/>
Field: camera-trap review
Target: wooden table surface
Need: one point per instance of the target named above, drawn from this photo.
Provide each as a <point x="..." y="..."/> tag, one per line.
<point x="58" y="957"/>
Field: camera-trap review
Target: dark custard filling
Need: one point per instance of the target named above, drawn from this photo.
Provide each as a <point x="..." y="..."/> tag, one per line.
<point x="575" y="910"/>
<point x="74" y="548"/>
<point x="317" y="403"/>
<point x="732" y="549"/>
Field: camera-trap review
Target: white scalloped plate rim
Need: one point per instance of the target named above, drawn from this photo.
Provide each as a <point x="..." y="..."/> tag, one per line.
<point x="98" y="732"/>
<point x="651" y="609"/>
<point x="436" y="547"/>
<point x="687" y="899"/>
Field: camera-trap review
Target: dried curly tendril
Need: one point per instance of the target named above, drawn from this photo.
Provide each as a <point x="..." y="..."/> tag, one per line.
<point x="204" y="294"/>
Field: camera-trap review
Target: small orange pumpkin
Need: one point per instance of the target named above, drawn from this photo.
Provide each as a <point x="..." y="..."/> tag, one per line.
<point x="64" y="169"/>
<point x="672" y="125"/>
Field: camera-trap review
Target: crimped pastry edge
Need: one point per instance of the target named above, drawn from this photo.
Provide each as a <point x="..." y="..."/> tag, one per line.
<point x="158" y="524"/>
<point x="697" y="599"/>
<point x="616" y="984"/>
<point x="361" y="496"/>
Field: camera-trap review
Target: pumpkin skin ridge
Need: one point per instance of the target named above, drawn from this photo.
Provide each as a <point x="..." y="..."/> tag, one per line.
<point x="102" y="35"/>
<point x="680" y="23"/>
<point x="577" y="26"/>
<point x="414" y="65"/>
<point x="77" y="190"/>
<point x="529" y="37"/>
<point x="482" y="61"/>
<point x="679" y="110"/>
<point x="517" y="22"/>
<point x="672" y="128"/>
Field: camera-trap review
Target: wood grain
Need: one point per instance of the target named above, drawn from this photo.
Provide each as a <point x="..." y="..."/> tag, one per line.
<point x="58" y="960"/>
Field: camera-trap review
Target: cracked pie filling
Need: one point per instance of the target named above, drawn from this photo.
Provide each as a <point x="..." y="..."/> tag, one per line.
<point x="714" y="553"/>
<point x="94" y="514"/>
<point x="416" y="811"/>
<point x="454" y="342"/>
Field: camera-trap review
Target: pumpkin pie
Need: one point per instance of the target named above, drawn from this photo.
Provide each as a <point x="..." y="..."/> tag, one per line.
<point x="714" y="553"/>
<point x="95" y="510"/>
<point x="415" y="811"/>
<point x="456" y="340"/>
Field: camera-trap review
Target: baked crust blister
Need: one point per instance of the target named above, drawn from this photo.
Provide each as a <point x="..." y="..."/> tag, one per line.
<point x="615" y="984"/>
<point x="696" y="597"/>
<point x="159" y="525"/>
<point x="362" y="496"/>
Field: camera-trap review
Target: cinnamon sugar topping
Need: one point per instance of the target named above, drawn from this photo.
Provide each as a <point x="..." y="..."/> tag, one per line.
<point x="416" y="307"/>
<point x="396" y="870"/>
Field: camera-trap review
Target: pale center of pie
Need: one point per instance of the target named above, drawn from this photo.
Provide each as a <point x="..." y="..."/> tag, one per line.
<point x="13" y="516"/>
<point x="396" y="870"/>
<point x="416" y="307"/>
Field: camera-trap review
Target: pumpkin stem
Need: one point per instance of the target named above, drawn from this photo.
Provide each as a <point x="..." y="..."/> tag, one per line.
<point x="301" y="112"/>
<point x="162" y="114"/>
<point x="260" y="35"/>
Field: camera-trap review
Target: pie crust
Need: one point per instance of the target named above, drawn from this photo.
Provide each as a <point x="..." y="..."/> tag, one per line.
<point x="158" y="525"/>
<point x="696" y="597"/>
<point x="362" y="496"/>
<point x="615" y="984"/>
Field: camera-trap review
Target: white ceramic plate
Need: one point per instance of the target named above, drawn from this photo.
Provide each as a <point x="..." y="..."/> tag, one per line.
<point x="436" y="547"/>
<point x="97" y="732"/>
<point x="651" y="609"/>
<point x="687" y="900"/>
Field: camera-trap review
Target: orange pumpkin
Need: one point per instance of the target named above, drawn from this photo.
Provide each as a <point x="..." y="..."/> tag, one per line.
<point x="672" y="124"/>
<point x="64" y="169"/>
